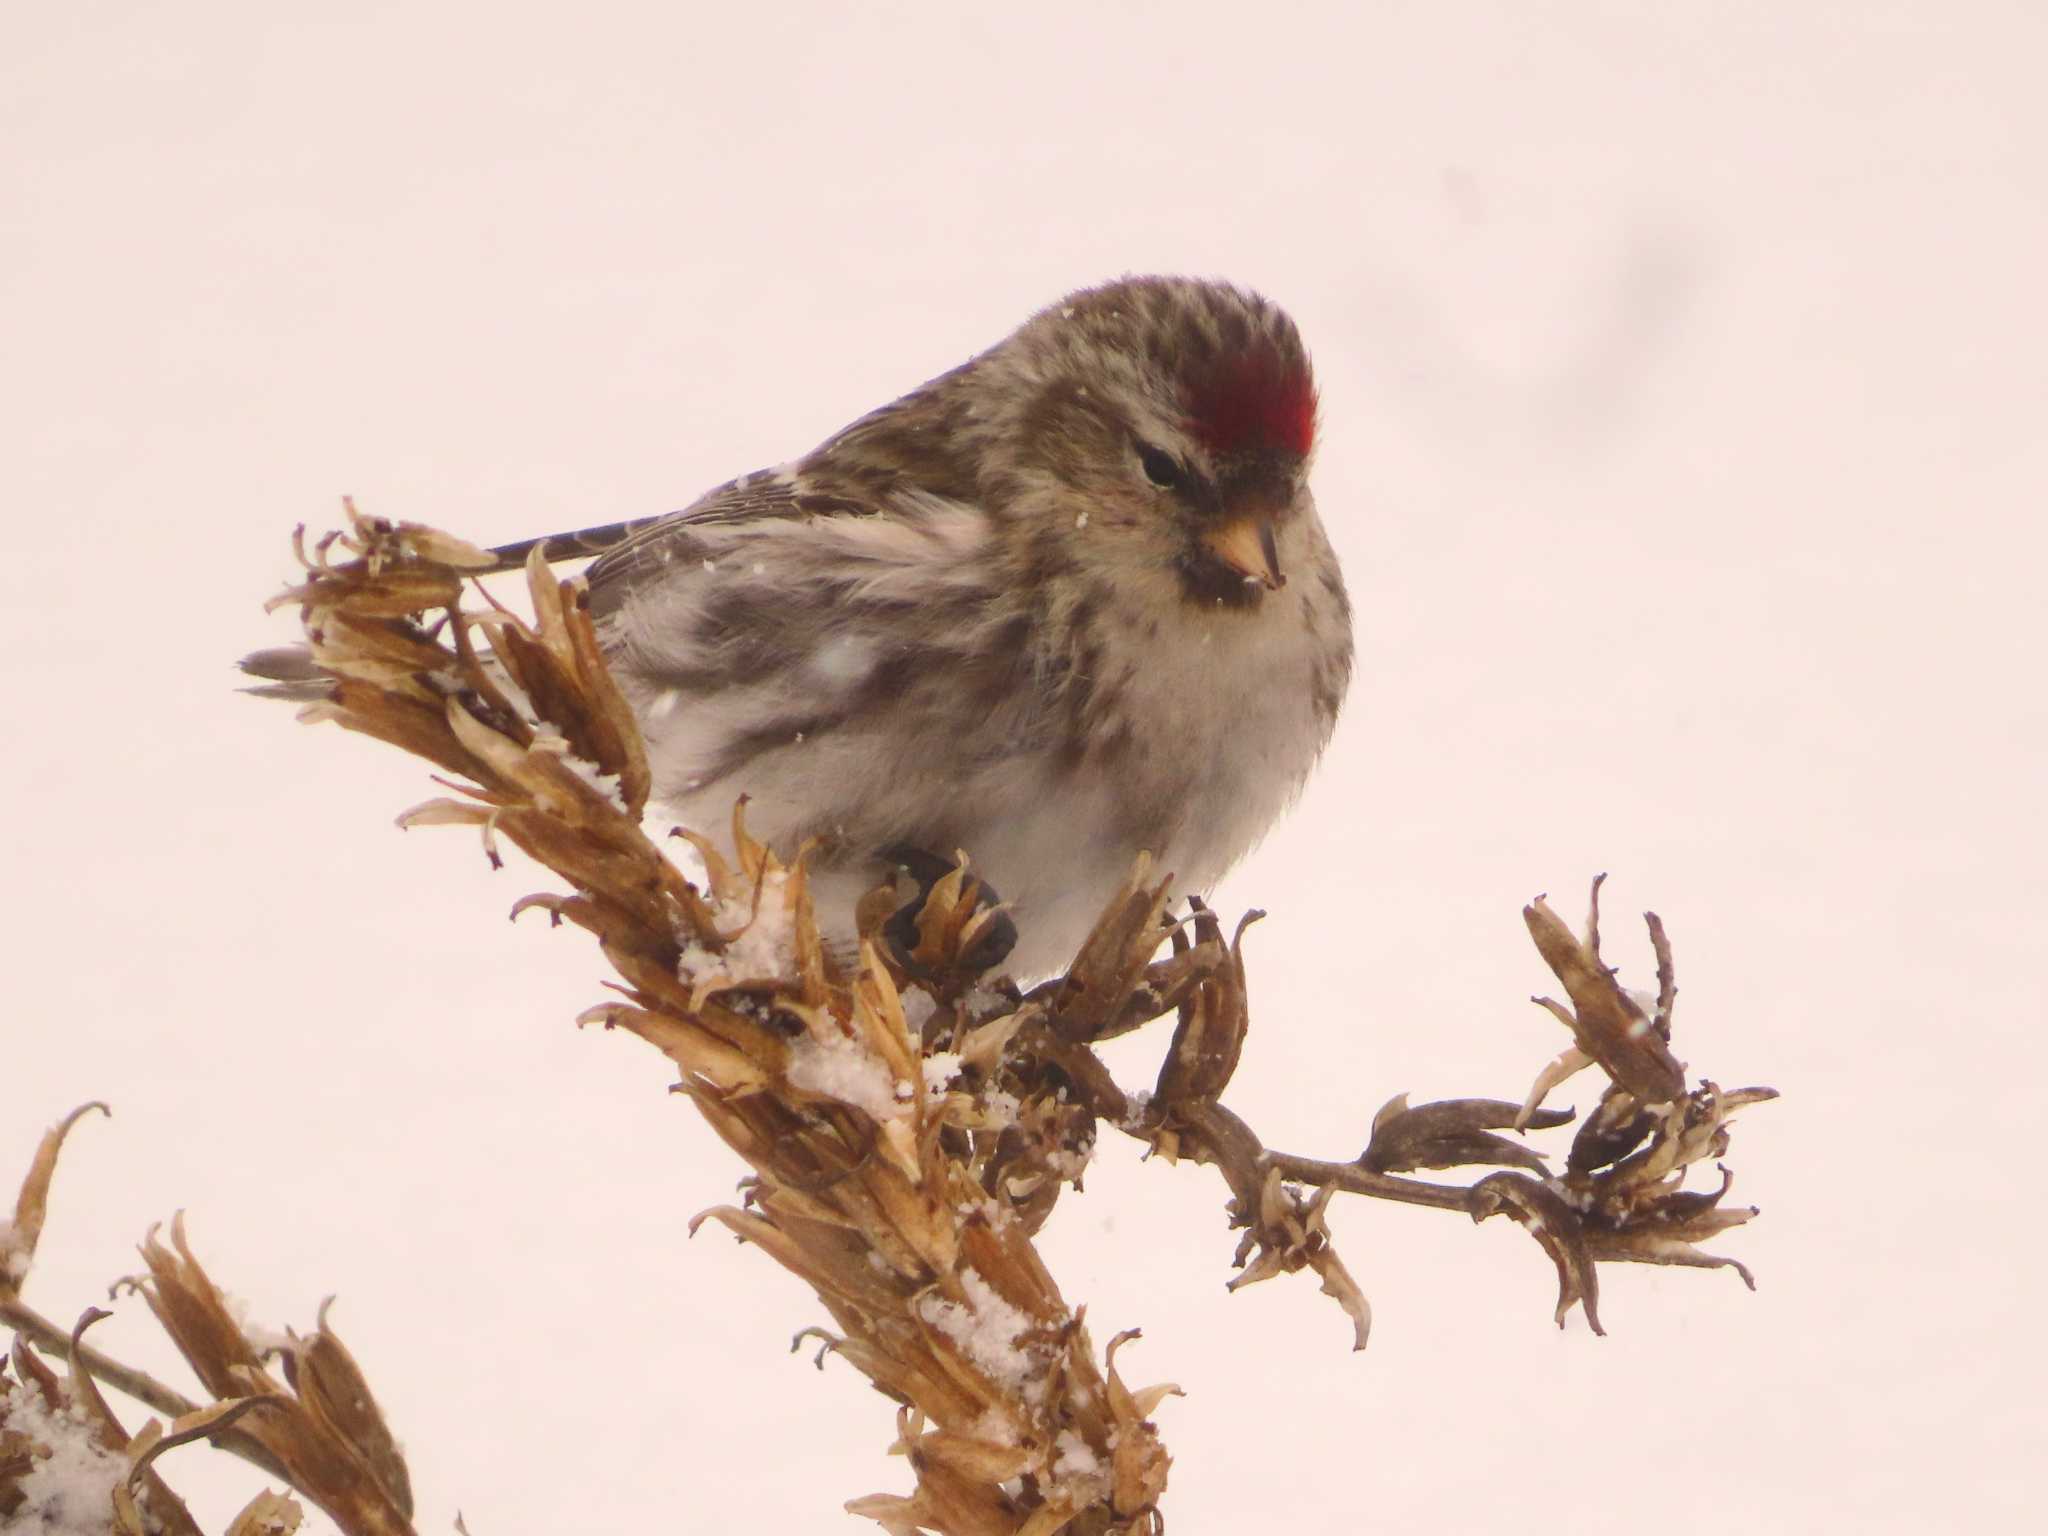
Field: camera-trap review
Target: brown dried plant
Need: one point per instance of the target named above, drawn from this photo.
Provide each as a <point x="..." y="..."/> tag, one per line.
<point x="67" y="1463"/>
<point x="909" y="1125"/>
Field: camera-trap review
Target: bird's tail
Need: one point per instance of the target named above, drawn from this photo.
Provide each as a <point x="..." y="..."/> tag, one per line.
<point x="579" y="545"/>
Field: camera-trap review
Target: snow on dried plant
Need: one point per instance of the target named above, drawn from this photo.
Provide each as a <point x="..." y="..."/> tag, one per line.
<point x="909" y="1123"/>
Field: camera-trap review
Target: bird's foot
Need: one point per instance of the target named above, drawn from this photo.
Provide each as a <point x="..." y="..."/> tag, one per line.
<point x="954" y="922"/>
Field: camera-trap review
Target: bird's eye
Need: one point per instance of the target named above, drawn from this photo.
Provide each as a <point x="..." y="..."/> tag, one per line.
<point x="1161" y="468"/>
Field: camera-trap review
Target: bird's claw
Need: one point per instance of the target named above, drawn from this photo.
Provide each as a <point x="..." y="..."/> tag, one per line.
<point x="955" y="920"/>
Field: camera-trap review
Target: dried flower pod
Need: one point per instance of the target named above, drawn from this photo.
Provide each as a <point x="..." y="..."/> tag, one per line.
<point x="339" y="1454"/>
<point x="1452" y="1133"/>
<point x="1550" y="1219"/>
<point x="1214" y="1017"/>
<point x="336" y="1394"/>
<point x="1615" y="1128"/>
<point x="1092" y="995"/>
<point x="907" y="1128"/>
<point x="1288" y="1230"/>
<point x="1607" y="1025"/>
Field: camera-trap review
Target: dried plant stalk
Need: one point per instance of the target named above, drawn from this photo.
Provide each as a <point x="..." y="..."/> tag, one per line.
<point x="68" y="1463"/>
<point x="909" y="1127"/>
<point x="874" y="1178"/>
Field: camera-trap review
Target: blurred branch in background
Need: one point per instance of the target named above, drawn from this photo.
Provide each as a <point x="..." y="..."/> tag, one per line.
<point x="910" y="1124"/>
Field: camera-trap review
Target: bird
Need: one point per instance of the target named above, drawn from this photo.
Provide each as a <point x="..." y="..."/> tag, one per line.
<point x="1068" y="601"/>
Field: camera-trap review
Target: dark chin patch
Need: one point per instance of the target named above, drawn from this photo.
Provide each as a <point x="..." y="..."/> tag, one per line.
<point x="1210" y="582"/>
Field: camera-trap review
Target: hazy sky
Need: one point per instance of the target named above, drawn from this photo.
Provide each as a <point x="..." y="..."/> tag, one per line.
<point x="1683" y="374"/>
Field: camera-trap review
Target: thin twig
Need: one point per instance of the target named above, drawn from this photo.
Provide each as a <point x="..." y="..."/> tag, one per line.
<point x="52" y="1340"/>
<point x="1354" y="1180"/>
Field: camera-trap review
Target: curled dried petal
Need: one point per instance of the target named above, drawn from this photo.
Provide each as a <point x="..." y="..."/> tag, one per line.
<point x="18" y="1238"/>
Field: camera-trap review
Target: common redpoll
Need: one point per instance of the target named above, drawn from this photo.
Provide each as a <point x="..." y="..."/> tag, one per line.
<point x="1068" y="601"/>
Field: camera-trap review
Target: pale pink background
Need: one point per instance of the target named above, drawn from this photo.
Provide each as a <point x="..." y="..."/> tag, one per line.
<point x="1683" y="379"/>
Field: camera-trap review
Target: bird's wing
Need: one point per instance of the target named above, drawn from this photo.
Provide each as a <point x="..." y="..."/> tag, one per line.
<point x="902" y="459"/>
<point x="628" y="553"/>
<point x="799" y="530"/>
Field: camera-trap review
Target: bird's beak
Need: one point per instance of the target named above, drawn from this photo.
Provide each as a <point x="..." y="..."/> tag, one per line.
<point x="1246" y="545"/>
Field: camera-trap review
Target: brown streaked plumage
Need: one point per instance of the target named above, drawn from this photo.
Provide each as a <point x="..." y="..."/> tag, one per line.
<point x="977" y="619"/>
<point x="1069" y="600"/>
